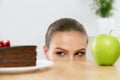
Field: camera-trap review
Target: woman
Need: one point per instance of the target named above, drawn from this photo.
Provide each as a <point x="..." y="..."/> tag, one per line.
<point x="66" y="40"/>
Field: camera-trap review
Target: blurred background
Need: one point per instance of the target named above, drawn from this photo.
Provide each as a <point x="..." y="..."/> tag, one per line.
<point x="24" y="22"/>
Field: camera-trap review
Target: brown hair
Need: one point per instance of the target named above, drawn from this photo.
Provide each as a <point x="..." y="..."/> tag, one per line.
<point x="62" y="25"/>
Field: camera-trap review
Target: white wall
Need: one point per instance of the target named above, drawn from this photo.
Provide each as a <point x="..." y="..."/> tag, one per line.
<point x="25" y="22"/>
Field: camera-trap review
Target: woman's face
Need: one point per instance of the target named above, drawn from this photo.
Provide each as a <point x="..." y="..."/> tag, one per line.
<point x="67" y="46"/>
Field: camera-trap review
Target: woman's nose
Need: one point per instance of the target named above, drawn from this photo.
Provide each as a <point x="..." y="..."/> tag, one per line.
<point x="71" y="58"/>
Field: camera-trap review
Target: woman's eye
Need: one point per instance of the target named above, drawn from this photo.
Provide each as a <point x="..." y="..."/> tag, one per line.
<point x="79" y="53"/>
<point x="60" y="53"/>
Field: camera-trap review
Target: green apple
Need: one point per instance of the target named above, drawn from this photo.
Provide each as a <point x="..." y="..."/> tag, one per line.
<point x="119" y="43"/>
<point x="105" y="49"/>
<point x="119" y="39"/>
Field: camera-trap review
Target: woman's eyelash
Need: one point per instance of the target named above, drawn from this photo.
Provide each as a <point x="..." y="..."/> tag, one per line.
<point x="80" y="53"/>
<point x="60" y="53"/>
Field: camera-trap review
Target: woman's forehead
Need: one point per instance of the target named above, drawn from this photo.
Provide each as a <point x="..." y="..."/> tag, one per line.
<point x="68" y="32"/>
<point x="68" y="39"/>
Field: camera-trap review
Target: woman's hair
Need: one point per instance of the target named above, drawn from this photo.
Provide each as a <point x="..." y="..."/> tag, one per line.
<point x="63" y="25"/>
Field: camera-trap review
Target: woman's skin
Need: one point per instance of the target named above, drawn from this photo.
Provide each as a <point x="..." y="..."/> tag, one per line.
<point x="67" y="46"/>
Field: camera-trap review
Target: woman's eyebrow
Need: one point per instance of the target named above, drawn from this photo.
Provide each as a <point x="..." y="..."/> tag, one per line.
<point x="61" y="49"/>
<point x="82" y="49"/>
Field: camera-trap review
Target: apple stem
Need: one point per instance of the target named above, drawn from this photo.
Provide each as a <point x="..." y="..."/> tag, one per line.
<point x="111" y="31"/>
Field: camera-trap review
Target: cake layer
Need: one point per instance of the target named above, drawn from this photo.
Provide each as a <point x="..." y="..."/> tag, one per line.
<point x="18" y="56"/>
<point x="13" y="57"/>
<point x="18" y="64"/>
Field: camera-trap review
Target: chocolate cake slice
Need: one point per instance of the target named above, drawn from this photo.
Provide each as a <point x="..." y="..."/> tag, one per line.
<point x="18" y="56"/>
